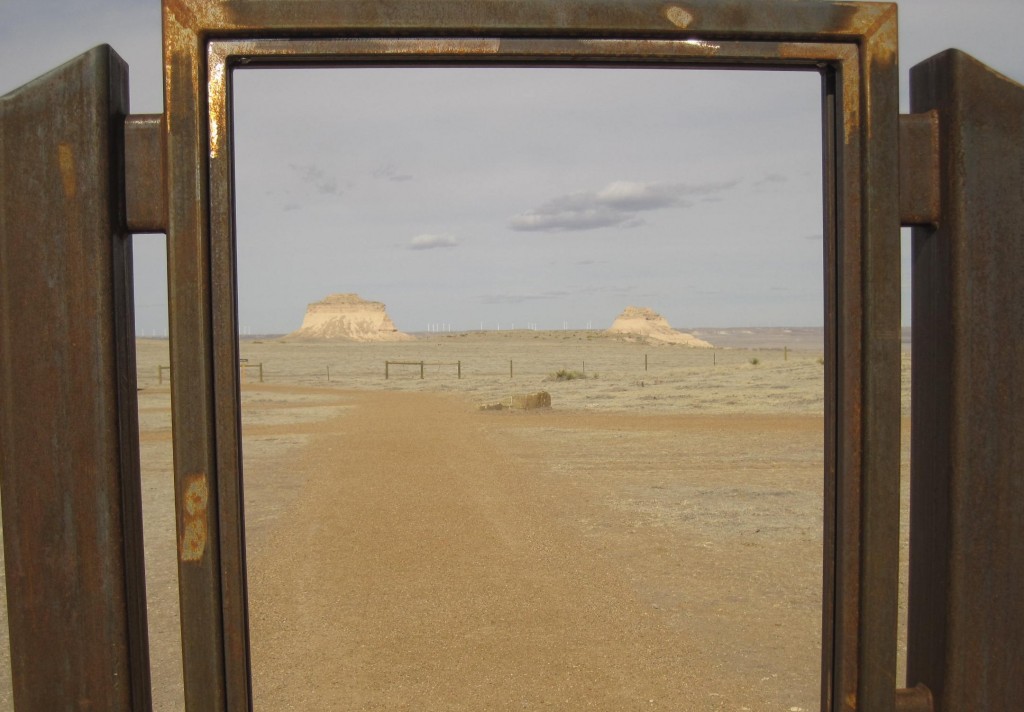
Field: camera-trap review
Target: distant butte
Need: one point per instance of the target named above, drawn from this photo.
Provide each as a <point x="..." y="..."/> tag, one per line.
<point x="348" y="317"/>
<point x="645" y="324"/>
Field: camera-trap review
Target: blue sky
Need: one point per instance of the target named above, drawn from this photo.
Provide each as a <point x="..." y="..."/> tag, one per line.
<point x="476" y="197"/>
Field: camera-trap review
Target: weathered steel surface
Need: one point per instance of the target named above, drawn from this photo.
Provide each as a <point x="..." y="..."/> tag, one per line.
<point x="868" y="437"/>
<point x="68" y="422"/>
<point x="966" y="621"/>
<point x="803" y="20"/>
<point x="145" y="176"/>
<point x="919" y="169"/>
<point x="852" y="44"/>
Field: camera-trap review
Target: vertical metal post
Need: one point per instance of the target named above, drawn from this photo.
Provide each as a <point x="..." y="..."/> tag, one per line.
<point x="966" y="619"/>
<point x="72" y="517"/>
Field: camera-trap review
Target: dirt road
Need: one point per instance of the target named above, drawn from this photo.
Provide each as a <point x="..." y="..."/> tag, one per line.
<point x="433" y="557"/>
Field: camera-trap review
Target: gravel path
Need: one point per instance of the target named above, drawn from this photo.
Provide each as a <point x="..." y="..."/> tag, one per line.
<point x="431" y="560"/>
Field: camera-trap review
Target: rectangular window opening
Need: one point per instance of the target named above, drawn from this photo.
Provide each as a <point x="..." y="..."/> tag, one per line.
<point x="654" y="537"/>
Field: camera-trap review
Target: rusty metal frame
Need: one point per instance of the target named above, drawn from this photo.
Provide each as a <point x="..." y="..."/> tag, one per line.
<point x="69" y="457"/>
<point x="965" y="627"/>
<point x="851" y="44"/>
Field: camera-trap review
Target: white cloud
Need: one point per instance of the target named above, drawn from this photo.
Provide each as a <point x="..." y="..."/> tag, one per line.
<point x="432" y="242"/>
<point x="615" y="205"/>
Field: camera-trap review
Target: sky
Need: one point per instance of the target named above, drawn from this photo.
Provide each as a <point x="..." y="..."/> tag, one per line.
<point x="500" y="198"/>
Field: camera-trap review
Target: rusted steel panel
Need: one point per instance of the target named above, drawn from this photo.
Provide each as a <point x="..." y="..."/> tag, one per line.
<point x="68" y="421"/>
<point x="870" y="406"/>
<point x="209" y="671"/>
<point x="227" y="404"/>
<point x="862" y="263"/>
<point x="862" y="388"/>
<point x="966" y="622"/>
<point x="145" y="177"/>
<point x="802" y="20"/>
<point x="919" y="169"/>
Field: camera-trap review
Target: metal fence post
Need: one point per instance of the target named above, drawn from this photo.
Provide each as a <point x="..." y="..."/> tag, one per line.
<point x="69" y="453"/>
<point x="966" y="612"/>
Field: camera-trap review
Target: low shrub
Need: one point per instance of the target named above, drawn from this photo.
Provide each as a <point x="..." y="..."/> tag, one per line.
<point x="566" y="375"/>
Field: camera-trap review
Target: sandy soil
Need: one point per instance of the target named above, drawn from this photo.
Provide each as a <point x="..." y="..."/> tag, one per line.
<point x="537" y="560"/>
<point x="651" y="542"/>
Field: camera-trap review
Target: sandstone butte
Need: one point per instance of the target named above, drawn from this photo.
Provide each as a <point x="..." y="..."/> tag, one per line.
<point x="347" y="317"/>
<point x="644" y="324"/>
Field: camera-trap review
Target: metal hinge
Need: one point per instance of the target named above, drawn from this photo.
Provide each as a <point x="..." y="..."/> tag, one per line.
<point x="145" y="174"/>
<point x="919" y="169"/>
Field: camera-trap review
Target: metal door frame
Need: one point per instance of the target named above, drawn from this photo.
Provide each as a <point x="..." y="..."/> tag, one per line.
<point x="852" y="45"/>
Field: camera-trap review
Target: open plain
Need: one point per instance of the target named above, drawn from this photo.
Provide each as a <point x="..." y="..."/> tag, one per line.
<point x="650" y="542"/>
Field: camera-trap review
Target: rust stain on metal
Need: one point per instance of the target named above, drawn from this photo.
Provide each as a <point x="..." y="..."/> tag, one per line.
<point x="865" y="18"/>
<point x="217" y="101"/>
<point x="177" y="56"/>
<point x="877" y="25"/>
<point x="196" y="15"/>
<point x="185" y="22"/>
<point x="678" y="16"/>
<point x="881" y="49"/>
<point x="192" y="545"/>
<point x="851" y="107"/>
<point x="66" y="161"/>
<point x="886" y="36"/>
